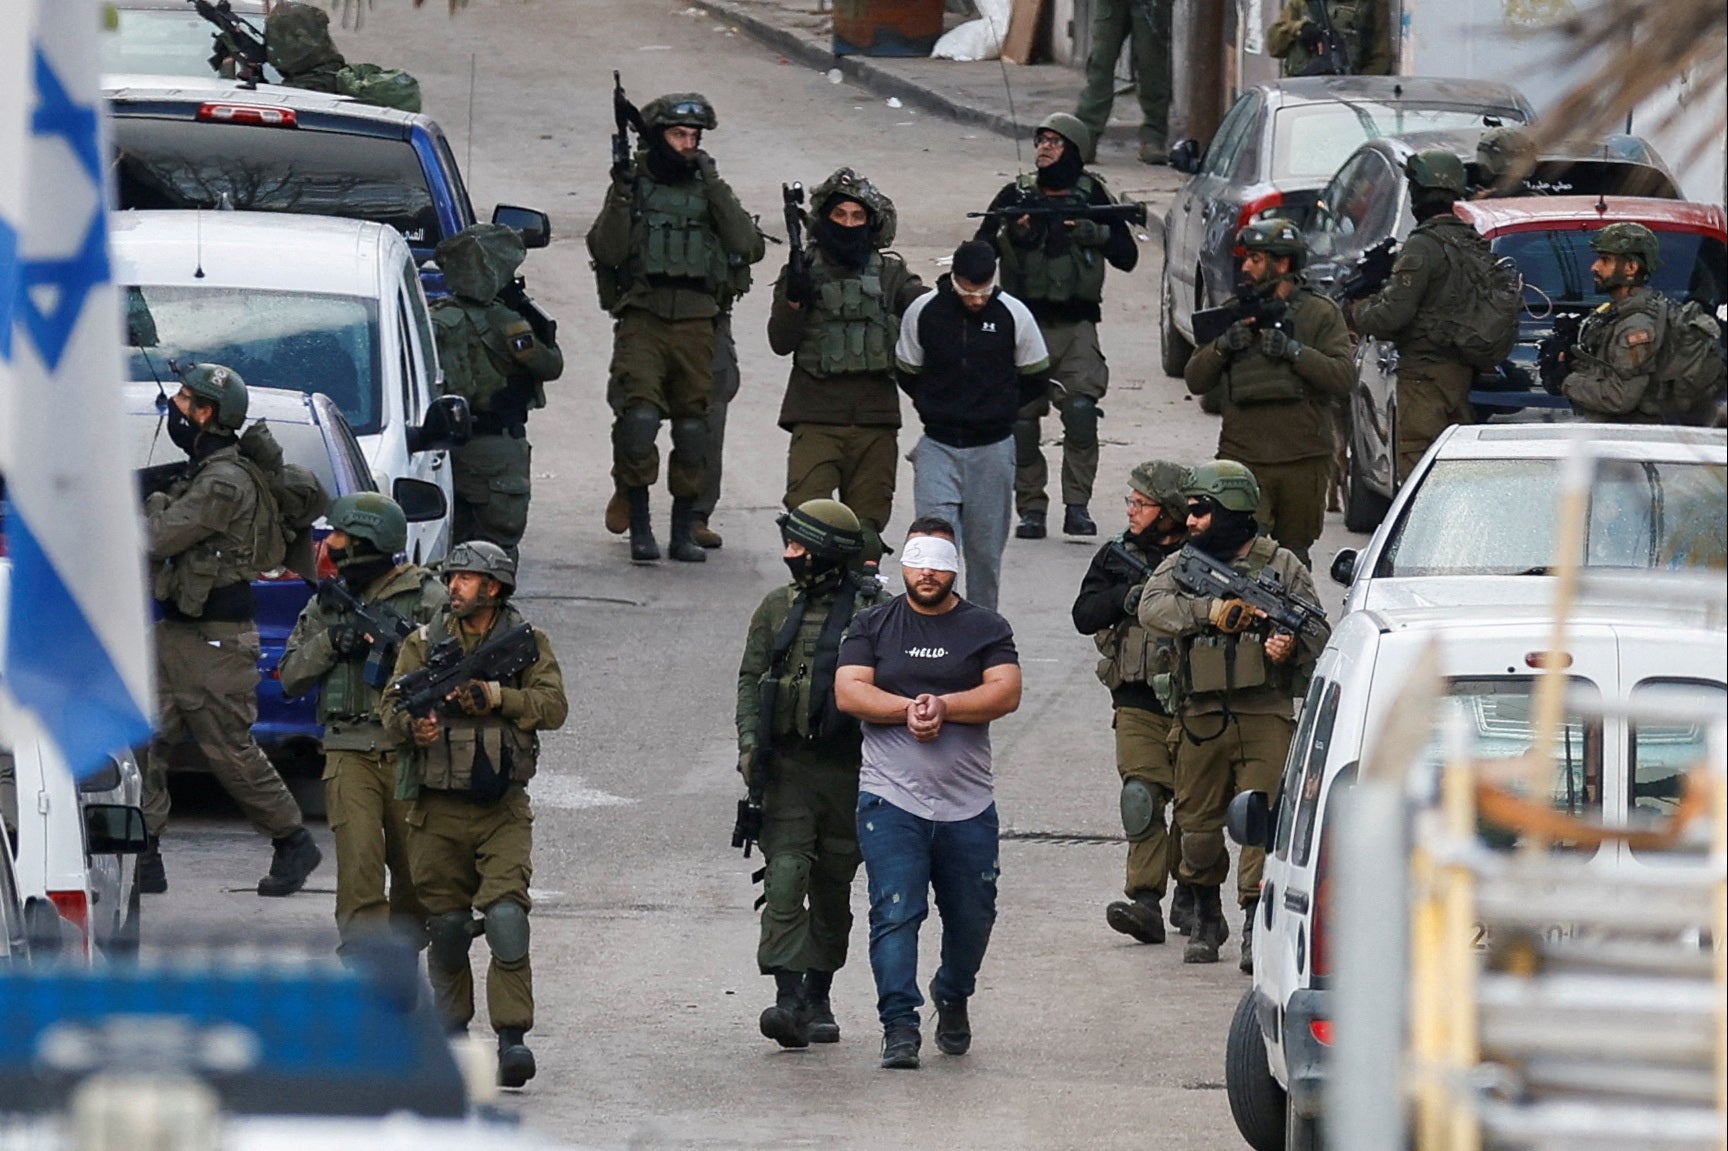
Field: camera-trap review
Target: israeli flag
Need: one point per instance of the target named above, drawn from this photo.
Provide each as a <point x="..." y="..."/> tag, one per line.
<point x="76" y="651"/>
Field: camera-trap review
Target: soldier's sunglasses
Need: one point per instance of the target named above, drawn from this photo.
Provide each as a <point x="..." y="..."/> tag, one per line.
<point x="1202" y="507"/>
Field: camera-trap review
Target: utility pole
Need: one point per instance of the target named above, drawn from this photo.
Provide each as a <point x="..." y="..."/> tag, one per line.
<point x="1201" y="83"/>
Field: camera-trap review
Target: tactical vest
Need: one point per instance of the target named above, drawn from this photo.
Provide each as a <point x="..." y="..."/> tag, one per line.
<point x="1253" y="377"/>
<point x="1131" y="654"/>
<point x="473" y="750"/>
<point x="1073" y="273"/>
<point x="227" y="556"/>
<point x="851" y="328"/>
<point x="344" y="693"/>
<point x="674" y="238"/>
<point x="1215" y="664"/>
<point x="1596" y="337"/>
<point x="797" y="690"/>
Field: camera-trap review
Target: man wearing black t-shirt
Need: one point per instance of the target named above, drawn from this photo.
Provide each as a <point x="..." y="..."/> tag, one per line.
<point x="926" y="673"/>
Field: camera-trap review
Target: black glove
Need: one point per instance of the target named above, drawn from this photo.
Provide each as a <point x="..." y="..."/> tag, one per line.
<point x="800" y="289"/>
<point x="1131" y="598"/>
<point x="346" y="640"/>
<point x="1312" y="39"/>
<point x="1236" y="338"/>
<point x="1276" y="344"/>
<point x="327" y="600"/>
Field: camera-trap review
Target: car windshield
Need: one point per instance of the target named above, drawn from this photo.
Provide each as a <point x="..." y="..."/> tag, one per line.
<point x="1556" y="262"/>
<point x="297" y="341"/>
<point x="1311" y="141"/>
<point x="302" y="443"/>
<point x="201" y="164"/>
<point x="1500" y="517"/>
<point x="163" y="42"/>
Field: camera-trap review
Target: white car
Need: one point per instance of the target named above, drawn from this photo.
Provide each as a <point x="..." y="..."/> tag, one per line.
<point x="76" y="843"/>
<point x="301" y="303"/>
<point x="1483" y="505"/>
<point x="1627" y="643"/>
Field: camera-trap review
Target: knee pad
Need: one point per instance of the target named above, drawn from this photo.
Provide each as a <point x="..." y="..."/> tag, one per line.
<point x="1142" y="809"/>
<point x="1202" y="849"/>
<point x="690" y="436"/>
<point x="787" y="883"/>
<point x="1080" y="421"/>
<point x="634" y="430"/>
<point x="507" y="931"/>
<point x="448" y="936"/>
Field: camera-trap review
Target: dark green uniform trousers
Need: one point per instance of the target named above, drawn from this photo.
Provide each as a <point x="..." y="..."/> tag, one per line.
<point x="371" y="829"/>
<point x="1293" y="501"/>
<point x="727" y="380"/>
<point x="1079" y="378"/>
<point x="1113" y="22"/>
<point x="1143" y="753"/>
<point x="1431" y="398"/>
<point x="490" y="475"/>
<point x="1241" y="753"/>
<point x="466" y="856"/>
<point x="668" y="365"/>
<point x="810" y="843"/>
<point x="853" y="464"/>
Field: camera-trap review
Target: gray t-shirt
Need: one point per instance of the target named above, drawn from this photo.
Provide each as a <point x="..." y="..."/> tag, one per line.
<point x="949" y="778"/>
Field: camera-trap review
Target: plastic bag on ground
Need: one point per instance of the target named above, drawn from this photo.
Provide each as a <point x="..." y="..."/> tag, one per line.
<point x="979" y="39"/>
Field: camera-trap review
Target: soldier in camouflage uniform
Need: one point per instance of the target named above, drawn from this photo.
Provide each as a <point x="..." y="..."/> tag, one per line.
<point x="494" y="358"/>
<point x="470" y="826"/>
<point x="1131" y="666"/>
<point x="666" y="247"/>
<point x="1609" y="377"/>
<point x="1146" y="25"/>
<point x="839" y="322"/>
<point x="1058" y="267"/>
<point x="208" y="536"/>
<point x="1433" y="386"/>
<point x="1503" y="155"/>
<point x="297" y="43"/>
<point x="349" y="663"/>
<point x="1236" y="686"/>
<point x="1278" y="385"/>
<point x="789" y="728"/>
<point x="1364" y="25"/>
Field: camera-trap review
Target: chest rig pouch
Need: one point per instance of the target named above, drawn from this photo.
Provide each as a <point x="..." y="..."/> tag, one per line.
<point x="1056" y="270"/>
<point x="851" y="329"/>
<point x="1225" y="663"/>
<point x="798" y="686"/>
<point x="676" y="240"/>
<point x="479" y="755"/>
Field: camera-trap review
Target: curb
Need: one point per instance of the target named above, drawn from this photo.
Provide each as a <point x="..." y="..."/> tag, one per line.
<point x="859" y="68"/>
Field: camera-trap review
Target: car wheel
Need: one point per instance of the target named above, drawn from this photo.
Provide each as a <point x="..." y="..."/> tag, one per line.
<point x="1364" y="507"/>
<point x="124" y="945"/>
<point x="1301" y="1134"/>
<point x="1176" y="349"/>
<point x="1257" y="1103"/>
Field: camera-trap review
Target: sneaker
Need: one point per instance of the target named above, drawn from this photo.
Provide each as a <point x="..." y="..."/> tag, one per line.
<point x="1140" y="918"/>
<point x="296" y="858"/>
<point x="515" y="1061"/>
<point x="900" y="1048"/>
<point x="953" y="1028"/>
<point x="1031" y="527"/>
<point x="1077" y="521"/>
<point x="1182" y="909"/>
<point x="152" y="876"/>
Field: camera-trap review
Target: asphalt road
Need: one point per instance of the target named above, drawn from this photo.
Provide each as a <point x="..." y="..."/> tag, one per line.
<point x="644" y="935"/>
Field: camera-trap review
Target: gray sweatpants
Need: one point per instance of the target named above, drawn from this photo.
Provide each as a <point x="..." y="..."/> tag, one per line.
<point x="973" y="488"/>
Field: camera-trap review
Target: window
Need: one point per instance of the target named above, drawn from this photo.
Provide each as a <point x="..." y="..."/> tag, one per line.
<point x="1289" y="788"/>
<point x="1556" y="262"/>
<point x="1313" y="775"/>
<point x="296" y="341"/>
<point x="1661" y="752"/>
<point x="422" y="320"/>
<point x="1227" y="142"/>
<point x="405" y="356"/>
<point x="1497" y="517"/>
<point x="1310" y="141"/>
<point x="1361" y="204"/>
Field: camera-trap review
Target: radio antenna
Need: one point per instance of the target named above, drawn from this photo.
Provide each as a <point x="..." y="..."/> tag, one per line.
<point x="1008" y="89"/>
<point x="198" y="244"/>
<point x="469" y="162"/>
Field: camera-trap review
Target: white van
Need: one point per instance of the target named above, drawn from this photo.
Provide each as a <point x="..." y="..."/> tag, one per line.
<point x="306" y="304"/>
<point x="1624" y="645"/>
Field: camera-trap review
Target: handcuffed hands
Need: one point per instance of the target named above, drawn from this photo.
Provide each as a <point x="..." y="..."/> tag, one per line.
<point x="924" y="718"/>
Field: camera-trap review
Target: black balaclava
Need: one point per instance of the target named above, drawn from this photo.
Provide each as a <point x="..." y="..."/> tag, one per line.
<point x="847" y="246"/>
<point x="360" y="563"/>
<point x="182" y="430"/>
<point x="1065" y="172"/>
<point x="1426" y="203"/>
<point x="811" y="570"/>
<point x="664" y="162"/>
<point x="1229" y="531"/>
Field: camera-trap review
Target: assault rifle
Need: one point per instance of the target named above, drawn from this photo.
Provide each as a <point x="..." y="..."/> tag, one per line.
<point x="1331" y="56"/>
<point x="424" y="690"/>
<point x="1259" y="311"/>
<point x="235" y="39"/>
<point x="1200" y="574"/>
<point x="747" y="828"/>
<point x="383" y="629"/>
<point x="1373" y="269"/>
<point x="798" y="286"/>
<point x="1129" y="212"/>
<point x="625" y="116"/>
<point x="515" y="297"/>
<point x="1555" y="350"/>
<point x="1139" y="566"/>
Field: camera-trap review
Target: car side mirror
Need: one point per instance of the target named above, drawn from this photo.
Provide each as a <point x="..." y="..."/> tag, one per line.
<point x="114" y="829"/>
<point x="1343" y="570"/>
<point x="421" y="502"/>
<point x="1249" y="820"/>
<point x="535" y="227"/>
<point x="448" y="424"/>
<point x="1185" y="156"/>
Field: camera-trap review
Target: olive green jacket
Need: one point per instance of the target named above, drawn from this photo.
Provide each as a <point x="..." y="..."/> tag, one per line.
<point x="474" y="351"/>
<point x="1366" y="27"/>
<point x="1169" y="612"/>
<point x="1613" y="362"/>
<point x="203" y="532"/>
<point x="347" y="704"/>
<point x="1404" y="308"/>
<point x="1280" y="430"/>
<point x="854" y="399"/>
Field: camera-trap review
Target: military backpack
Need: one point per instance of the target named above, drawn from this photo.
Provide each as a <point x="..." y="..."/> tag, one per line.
<point x="1484" y="294"/>
<point x="1690" y="373"/>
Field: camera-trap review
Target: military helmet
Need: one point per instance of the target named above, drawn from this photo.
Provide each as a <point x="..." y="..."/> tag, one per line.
<point x="372" y="517"/>
<point x="1504" y="149"/>
<point x="297" y="38"/>
<point x="679" y="109"/>
<point x="846" y="184"/>
<point x="826" y="528"/>
<point x="1628" y="239"/>
<point x="1435" y="169"/>
<point x="1275" y="236"/>
<point x="484" y="557"/>
<point x="1161" y="482"/>
<point x="221" y="386"/>
<point x="1070" y="128"/>
<point x="480" y="261"/>
<point x="1227" y="483"/>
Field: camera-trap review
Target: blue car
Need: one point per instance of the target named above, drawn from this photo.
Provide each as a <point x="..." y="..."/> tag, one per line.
<point x="216" y="144"/>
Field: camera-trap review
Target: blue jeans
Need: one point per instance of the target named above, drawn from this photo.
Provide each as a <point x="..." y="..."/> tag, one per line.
<point x="904" y="857"/>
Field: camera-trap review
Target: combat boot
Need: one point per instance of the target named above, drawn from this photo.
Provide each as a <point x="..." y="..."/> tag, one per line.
<point x="819" y="1022"/>
<point x="900" y="1048"/>
<point x="1210" y="931"/>
<point x="152" y="876"/>
<point x="515" y="1061"/>
<point x="296" y="857"/>
<point x="683" y="546"/>
<point x="784" y="1022"/>
<point x="1140" y="917"/>
<point x="704" y="535"/>
<point x="618" y="513"/>
<point x="1182" y="909"/>
<point x="643" y="547"/>
<point x="1077" y="521"/>
<point x="1031" y="526"/>
<point x="1246" y="963"/>
<point x="953" y="1025"/>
